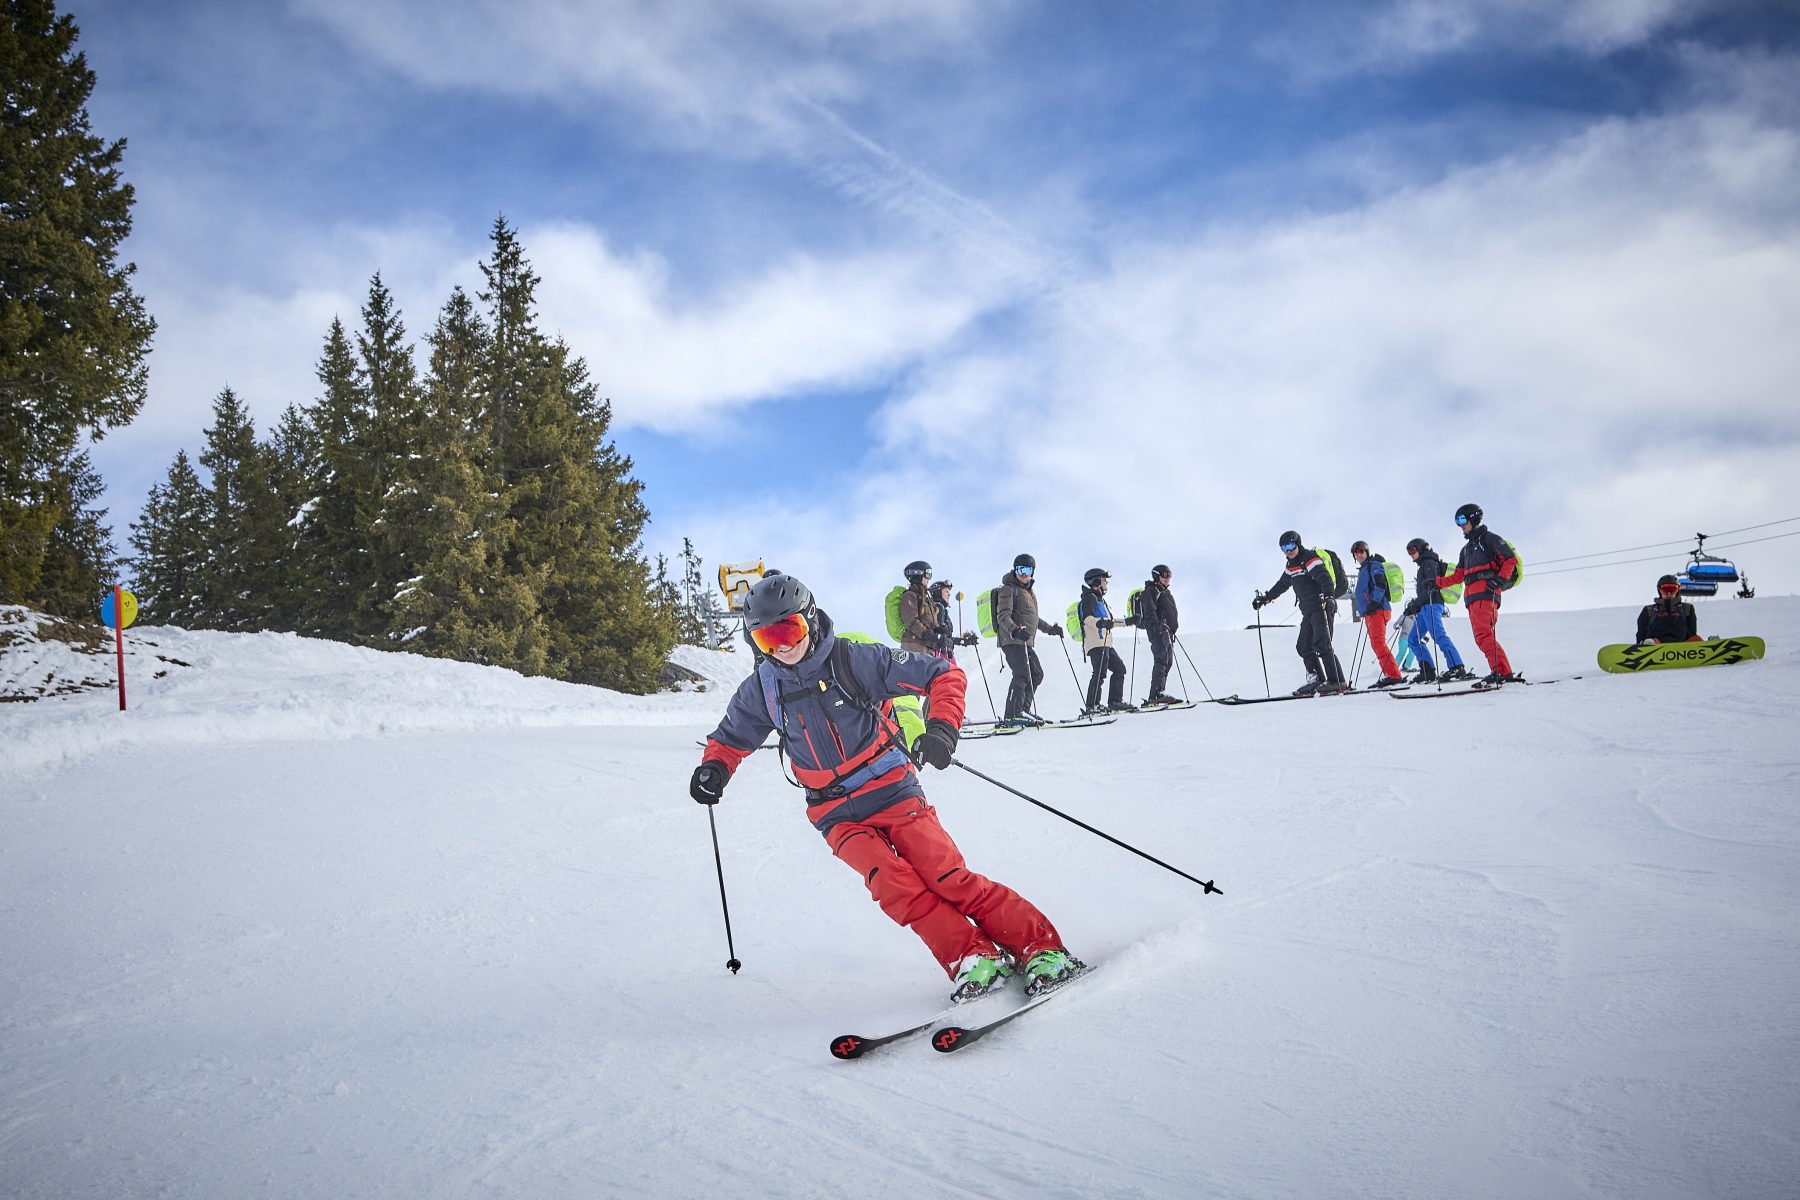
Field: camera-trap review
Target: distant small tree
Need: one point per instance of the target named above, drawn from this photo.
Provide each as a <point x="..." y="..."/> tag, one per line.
<point x="171" y="538"/>
<point x="690" y="629"/>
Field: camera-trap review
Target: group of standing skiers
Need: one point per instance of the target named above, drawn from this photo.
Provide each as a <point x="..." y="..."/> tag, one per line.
<point x="1017" y="623"/>
<point x="1485" y="567"/>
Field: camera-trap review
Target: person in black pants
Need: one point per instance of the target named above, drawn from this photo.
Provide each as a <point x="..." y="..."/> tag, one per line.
<point x="1310" y="578"/>
<point x="1157" y="617"/>
<point x="1669" y="618"/>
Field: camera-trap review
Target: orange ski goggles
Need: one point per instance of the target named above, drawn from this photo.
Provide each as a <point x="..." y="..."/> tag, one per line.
<point x="784" y="634"/>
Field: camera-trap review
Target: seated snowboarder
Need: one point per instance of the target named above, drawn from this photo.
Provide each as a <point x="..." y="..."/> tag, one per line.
<point x="1668" y="618"/>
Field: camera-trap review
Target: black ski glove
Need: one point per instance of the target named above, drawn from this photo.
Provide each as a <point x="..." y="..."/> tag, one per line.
<point x="1412" y="607"/>
<point x="708" y="782"/>
<point x="1057" y="630"/>
<point x="1259" y="601"/>
<point x="970" y="639"/>
<point x="1021" y="633"/>
<point x="1104" y="623"/>
<point x="936" y="744"/>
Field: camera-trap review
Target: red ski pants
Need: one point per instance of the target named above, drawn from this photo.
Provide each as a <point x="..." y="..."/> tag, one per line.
<point x="1483" y="614"/>
<point x="917" y="875"/>
<point x="1376" y="621"/>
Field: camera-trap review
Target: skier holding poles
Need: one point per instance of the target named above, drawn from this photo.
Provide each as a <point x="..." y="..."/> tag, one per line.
<point x="1097" y="643"/>
<point x="1310" y="578"/>
<point x="1487" y="564"/>
<point x="1017" y="624"/>
<point x="1159" y="619"/>
<point x="1427" y="610"/>
<point x="1372" y="601"/>
<point x="827" y="700"/>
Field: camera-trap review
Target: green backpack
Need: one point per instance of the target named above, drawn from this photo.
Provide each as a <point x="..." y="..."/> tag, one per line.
<point x="1396" y="581"/>
<point x="1134" y="606"/>
<point x="1518" y="566"/>
<point x="896" y="627"/>
<point x="1072" y="620"/>
<point x="1334" y="567"/>
<point x="984" y="612"/>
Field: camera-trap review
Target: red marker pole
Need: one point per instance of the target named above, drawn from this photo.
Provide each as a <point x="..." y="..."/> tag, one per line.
<point x="119" y="634"/>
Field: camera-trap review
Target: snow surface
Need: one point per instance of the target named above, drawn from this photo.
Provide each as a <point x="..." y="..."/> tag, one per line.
<point x="319" y="922"/>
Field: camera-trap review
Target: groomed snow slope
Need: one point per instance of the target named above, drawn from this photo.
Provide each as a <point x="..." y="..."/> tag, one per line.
<point x="316" y="922"/>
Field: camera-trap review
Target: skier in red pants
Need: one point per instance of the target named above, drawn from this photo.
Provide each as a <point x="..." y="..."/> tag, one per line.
<point x="827" y="699"/>
<point x="1376" y="606"/>
<point x="1485" y="567"/>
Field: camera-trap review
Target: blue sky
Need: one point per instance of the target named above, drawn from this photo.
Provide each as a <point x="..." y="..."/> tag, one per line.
<point x="871" y="280"/>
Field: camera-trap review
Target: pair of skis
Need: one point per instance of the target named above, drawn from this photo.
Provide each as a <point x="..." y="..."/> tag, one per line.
<point x="948" y="1034"/>
<point x="976" y="730"/>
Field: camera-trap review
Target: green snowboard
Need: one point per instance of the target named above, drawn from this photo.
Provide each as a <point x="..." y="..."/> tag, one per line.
<point x="1714" y="652"/>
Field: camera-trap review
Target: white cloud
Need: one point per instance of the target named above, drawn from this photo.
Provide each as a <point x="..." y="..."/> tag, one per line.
<point x="709" y="68"/>
<point x="1347" y="40"/>
<point x="804" y="324"/>
<point x="1594" y="341"/>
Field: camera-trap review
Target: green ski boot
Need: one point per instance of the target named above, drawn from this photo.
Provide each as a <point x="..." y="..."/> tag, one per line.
<point x="1049" y="969"/>
<point x="978" y="975"/>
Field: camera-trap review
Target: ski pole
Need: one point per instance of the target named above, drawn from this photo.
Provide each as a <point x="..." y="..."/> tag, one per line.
<point x="731" y="963"/>
<point x="1205" y="883"/>
<point x="979" y="665"/>
<point x="1080" y="695"/>
<point x="1134" y="634"/>
<point x="1182" y="675"/>
<point x="1257" y="609"/>
<point x="1176" y="640"/>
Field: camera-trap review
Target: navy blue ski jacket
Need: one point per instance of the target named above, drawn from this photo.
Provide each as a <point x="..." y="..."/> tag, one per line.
<point x="1371" y="594"/>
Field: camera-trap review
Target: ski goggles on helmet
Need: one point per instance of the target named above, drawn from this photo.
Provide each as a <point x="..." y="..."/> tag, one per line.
<point x="784" y="634"/>
<point x="1669" y="589"/>
<point x="1462" y="519"/>
<point x="1027" y="572"/>
<point x="1289" y="547"/>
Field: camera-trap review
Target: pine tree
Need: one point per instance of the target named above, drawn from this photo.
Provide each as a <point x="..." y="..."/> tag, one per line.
<point x="391" y="427"/>
<point x="463" y="602"/>
<point x="248" y="527"/>
<point x="294" y="451"/>
<point x="171" y="538"/>
<point x="80" y="564"/>
<point x="73" y="335"/>
<point x="579" y="513"/>
<point x="339" y="570"/>
<point x="690" y="630"/>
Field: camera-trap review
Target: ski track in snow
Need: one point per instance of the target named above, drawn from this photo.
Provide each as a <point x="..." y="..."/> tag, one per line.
<point x="313" y="921"/>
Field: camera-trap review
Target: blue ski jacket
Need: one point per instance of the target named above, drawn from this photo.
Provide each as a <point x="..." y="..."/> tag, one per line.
<point x="1371" y="594"/>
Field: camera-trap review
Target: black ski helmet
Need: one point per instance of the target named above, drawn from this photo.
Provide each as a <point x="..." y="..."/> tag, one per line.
<point x="776" y="596"/>
<point x="1289" y="536"/>
<point x="1469" y="514"/>
<point x="1359" y="544"/>
<point x="1024" y="560"/>
<point x="1095" y="575"/>
<point x="917" y="569"/>
<point x="1417" y="546"/>
<point x="1159" y="570"/>
<point x="942" y="585"/>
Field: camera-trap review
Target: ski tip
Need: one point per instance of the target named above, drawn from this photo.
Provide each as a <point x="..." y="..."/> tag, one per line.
<point x="948" y="1038"/>
<point x="848" y="1046"/>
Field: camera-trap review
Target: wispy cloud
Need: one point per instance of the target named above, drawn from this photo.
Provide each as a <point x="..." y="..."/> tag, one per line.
<point x="1563" y="336"/>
